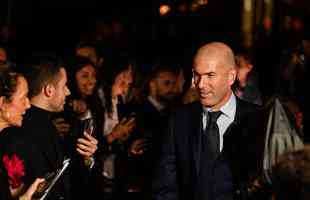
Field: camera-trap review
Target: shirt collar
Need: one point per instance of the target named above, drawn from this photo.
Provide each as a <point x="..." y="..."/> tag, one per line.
<point x="155" y="103"/>
<point x="228" y="109"/>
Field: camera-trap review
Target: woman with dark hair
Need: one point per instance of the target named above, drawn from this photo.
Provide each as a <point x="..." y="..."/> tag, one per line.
<point x="118" y="77"/>
<point x="13" y="104"/>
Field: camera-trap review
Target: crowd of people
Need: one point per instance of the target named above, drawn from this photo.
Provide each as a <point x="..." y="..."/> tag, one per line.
<point x="167" y="134"/>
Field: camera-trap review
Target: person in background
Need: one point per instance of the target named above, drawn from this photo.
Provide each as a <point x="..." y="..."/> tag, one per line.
<point x="82" y="112"/>
<point x="152" y="114"/>
<point x="118" y="125"/>
<point x="247" y="86"/>
<point x="91" y="52"/>
<point x="13" y="104"/>
<point x="291" y="176"/>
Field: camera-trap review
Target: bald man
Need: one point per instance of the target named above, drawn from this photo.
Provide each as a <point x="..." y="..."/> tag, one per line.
<point x="205" y="157"/>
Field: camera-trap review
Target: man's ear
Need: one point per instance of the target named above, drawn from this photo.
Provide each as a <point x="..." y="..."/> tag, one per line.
<point x="49" y="90"/>
<point x="232" y="74"/>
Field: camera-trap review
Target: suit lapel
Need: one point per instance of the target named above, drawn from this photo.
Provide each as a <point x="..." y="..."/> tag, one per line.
<point x="229" y="136"/>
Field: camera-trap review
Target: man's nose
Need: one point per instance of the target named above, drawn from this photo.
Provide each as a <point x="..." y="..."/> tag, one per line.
<point x="201" y="82"/>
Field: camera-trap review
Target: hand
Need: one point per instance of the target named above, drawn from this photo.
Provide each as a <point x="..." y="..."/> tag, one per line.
<point x="123" y="129"/>
<point x="31" y="190"/>
<point x="86" y="146"/>
<point x="136" y="147"/>
<point x="61" y="126"/>
<point x="79" y="106"/>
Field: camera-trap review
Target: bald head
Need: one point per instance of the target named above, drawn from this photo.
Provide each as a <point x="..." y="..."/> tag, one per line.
<point x="217" y="51"/>
<point x="214" y="73"/>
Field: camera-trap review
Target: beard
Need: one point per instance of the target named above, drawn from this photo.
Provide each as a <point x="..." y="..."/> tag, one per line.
<point x="167" y="99"/>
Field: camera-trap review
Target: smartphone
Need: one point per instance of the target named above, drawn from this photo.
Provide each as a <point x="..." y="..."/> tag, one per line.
<point x="41" y="189"/>
<point x="88" y="126"/>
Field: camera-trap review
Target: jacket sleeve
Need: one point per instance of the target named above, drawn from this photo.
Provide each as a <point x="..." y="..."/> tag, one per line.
<point x="164" y="183"/>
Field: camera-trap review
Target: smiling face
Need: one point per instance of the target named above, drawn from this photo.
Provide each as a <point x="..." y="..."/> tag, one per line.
<point x="213" y="77"/>
<point x="17" y="104"/>
<point x="86" y="80"/>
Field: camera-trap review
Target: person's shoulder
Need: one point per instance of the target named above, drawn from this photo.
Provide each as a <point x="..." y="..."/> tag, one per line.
<point x="188" y="108"/>
<point x="246" y="106"/>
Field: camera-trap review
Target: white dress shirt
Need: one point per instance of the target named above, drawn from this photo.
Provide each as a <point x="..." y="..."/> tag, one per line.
<point x="227" y="117"/>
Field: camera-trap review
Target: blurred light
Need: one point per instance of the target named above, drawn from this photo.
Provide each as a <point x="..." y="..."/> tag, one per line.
<point x="164" y="10"/>
<point x="182" y="8"/>
<point x="202" y="2"/>
<point x="196" y="4"/>
<point x="194" y="7"/>
<point x="267" y="23"/>
<point x="247" y="6"/>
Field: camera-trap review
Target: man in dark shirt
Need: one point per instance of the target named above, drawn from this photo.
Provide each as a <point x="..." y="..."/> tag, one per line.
<point x="37" y="142"/>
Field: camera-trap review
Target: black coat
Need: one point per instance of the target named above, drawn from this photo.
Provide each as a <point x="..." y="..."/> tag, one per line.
<point x="39" y="146"/>
<point x="4" y="184"/>
<point x="178" y="170"/>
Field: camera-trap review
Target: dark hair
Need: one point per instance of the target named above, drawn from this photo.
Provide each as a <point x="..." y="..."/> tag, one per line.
<point x="40" y="70"/>
<point x="291" y="176"/>
<point x="99" y="49"/>
<point x="8" y="80"/>
<point x="114" y="65"/>
<point x="74" y="65"/>
<point x="246" y="54"/>
<point x="161" y="65"/>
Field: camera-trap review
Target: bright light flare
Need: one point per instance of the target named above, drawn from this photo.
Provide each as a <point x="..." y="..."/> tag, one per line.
<point x="164" y="10"/>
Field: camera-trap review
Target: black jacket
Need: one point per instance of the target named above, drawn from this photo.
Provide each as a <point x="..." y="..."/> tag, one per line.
<point x="177" y="173"/>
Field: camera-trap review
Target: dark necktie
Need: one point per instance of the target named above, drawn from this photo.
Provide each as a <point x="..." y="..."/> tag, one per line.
<point x="212" y="132"/>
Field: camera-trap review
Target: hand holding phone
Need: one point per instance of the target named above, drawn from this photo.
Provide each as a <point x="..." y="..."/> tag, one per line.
<point x="44" y="185"/>
<point x="89" y="126"/>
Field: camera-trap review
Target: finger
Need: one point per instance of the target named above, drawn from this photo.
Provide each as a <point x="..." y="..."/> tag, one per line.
<point x="83" y="153"/>
<point x="131" y="126"/>
<point x="124" y="119"/>
<point x="90" y="138"/>
<point x="131" y="120"/>
<point x="86" y="150"/>
<point x="84" y="143"/>
<point x="34" y="186"/>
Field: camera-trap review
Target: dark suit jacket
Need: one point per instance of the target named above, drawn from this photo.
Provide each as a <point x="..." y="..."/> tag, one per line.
<point x="177" y="173"/>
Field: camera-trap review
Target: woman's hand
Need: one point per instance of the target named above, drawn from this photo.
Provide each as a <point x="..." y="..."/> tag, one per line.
<point x="123" y="129"/>
<point x="136" y="147"/>
<point x="31" y="190"/>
